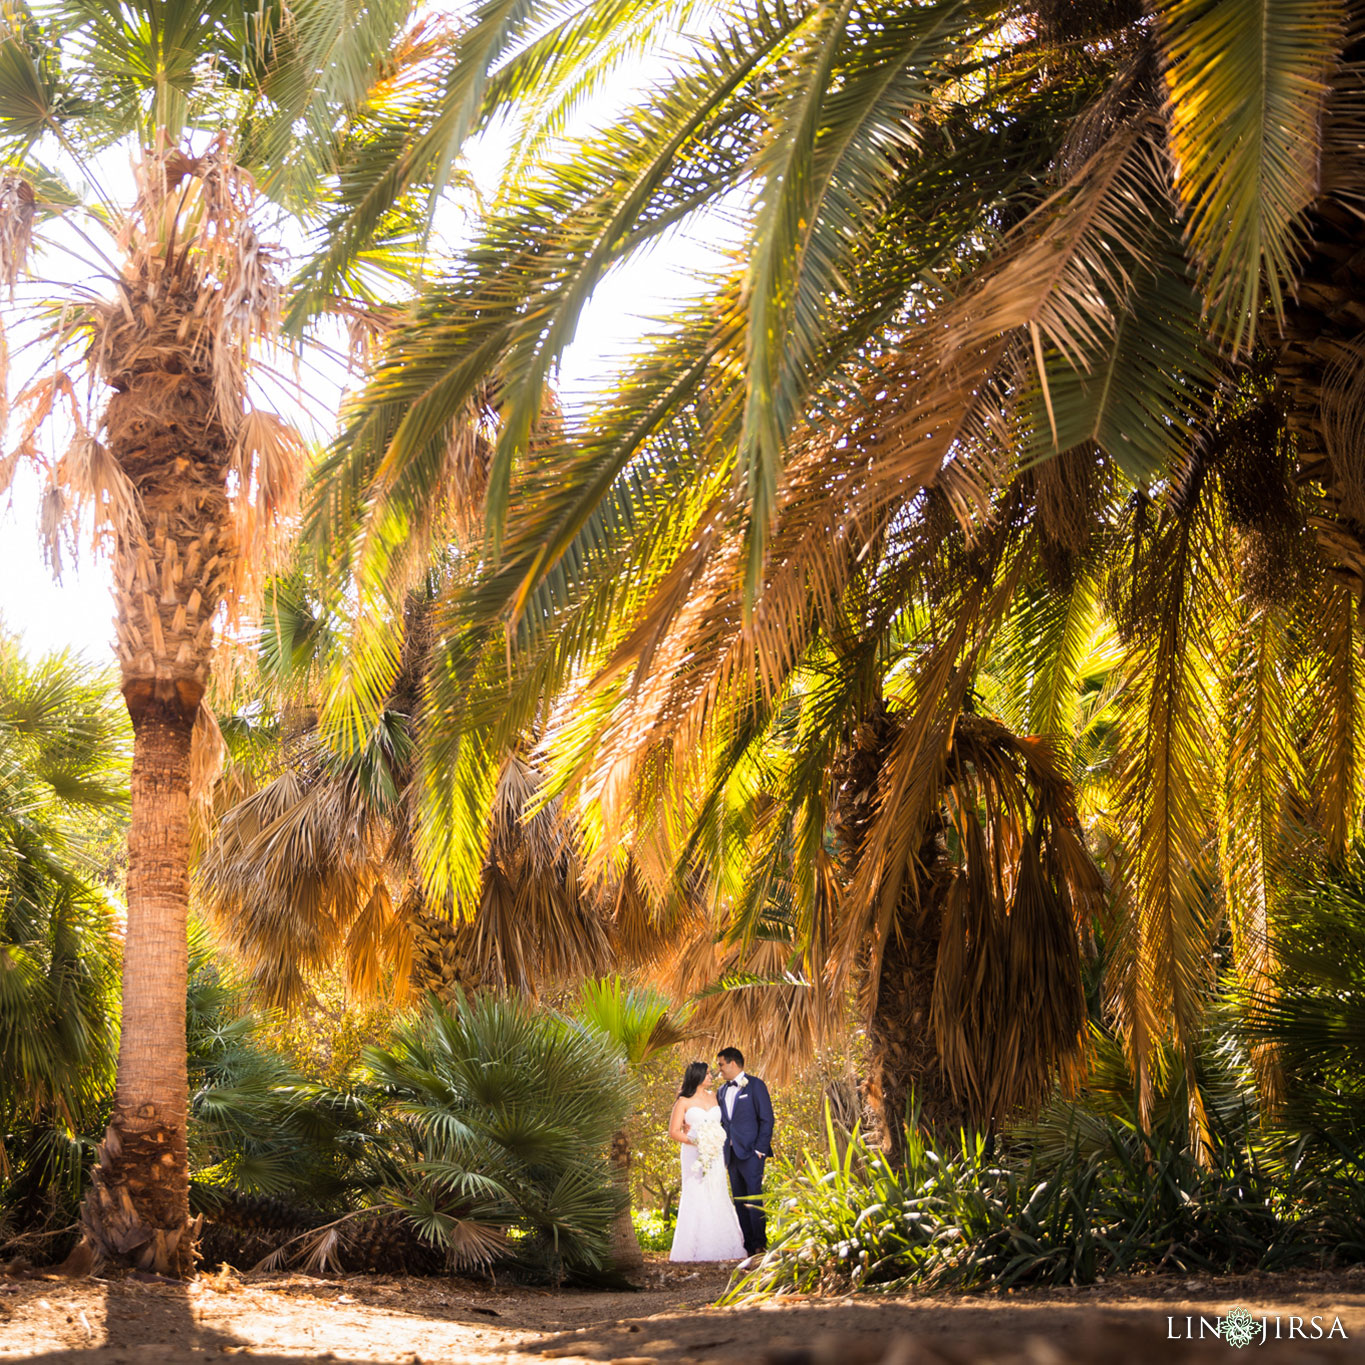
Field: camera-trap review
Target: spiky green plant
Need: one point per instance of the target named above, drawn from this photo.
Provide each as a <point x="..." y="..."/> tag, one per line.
<point x="505" y="1113"/>
<point x="64" y="751"/>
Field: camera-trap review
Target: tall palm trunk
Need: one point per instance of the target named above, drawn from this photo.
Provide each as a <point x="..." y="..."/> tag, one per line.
<point x="138" y="1206"/>
<point x="903" y="1057"/>
<point x="176" y="560"/>
<point x="625" y="1245"/>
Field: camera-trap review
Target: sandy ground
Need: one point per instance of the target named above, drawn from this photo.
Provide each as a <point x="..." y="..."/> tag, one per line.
<point x="672" y="1321"/>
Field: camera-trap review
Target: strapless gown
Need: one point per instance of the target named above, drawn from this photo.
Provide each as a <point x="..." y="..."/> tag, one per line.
<point x="708" y="1227"/>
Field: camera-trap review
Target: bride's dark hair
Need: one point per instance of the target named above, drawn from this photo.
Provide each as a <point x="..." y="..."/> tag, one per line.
<point x="692" y="1078"/>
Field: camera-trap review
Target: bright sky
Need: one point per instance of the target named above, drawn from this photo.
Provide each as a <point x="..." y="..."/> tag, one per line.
<point x="77" y="613"/>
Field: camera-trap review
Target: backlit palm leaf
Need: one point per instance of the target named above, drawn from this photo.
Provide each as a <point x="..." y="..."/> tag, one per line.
<point x="1247" y="81"/>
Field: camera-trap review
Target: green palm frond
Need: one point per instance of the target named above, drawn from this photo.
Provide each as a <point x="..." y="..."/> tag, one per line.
<point x="828" y="170"/>
<point x="1247" y="81"/>
<point x="639" y="1020"/>
<point x="1181" y="610"/>
<point x="64" y="755"/>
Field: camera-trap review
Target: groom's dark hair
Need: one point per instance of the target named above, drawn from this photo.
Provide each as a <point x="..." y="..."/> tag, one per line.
<point x="731" y="1054"/>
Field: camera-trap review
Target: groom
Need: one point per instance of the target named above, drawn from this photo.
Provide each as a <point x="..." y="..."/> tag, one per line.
<point x="746" y="1112"/>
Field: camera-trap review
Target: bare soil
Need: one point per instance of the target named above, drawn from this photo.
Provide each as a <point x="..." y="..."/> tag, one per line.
<point x="278" y="1318"/>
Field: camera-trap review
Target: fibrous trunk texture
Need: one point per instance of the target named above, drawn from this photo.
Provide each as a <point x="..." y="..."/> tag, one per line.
<point x="137" y="1210"/>
<point x="903" y="1057"/>
<point x="176" y="558"/>
<point x="442" y="960"/>
<point x="625" y="1245"/>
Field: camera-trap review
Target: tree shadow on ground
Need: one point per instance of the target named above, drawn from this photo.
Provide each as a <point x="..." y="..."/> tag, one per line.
<point x="963" y="1331"/>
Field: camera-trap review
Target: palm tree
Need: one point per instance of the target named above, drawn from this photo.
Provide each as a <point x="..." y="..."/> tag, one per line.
<point x="155" y="382"/>
<point x="640" y="1024"/>
<point x="311" y="856"/>
<point x="978" y="240"/>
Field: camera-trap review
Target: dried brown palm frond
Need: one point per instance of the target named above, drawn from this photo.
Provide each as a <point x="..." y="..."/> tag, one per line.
<point x="1342" y="425"/>
<point x="208" y="757"/>
<point x="537" y="921"/>
<point x="1009" y="1012"/>
<point x="640" y="931"/>
<point x="707" y="660"/>
<point x="18" y="208"/>
<point x="765" y="992"/>
<point x="300" y="876"/>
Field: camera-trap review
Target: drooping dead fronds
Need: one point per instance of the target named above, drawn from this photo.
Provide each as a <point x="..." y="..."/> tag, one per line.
<point x="537" y="921"/>
<point x="299" y="878"/>
<point x="765" y="993"/>
<point x="18" y="207"/>
<point x="1008" y="1011"/>
<point x="971" y="953"/>
<point x="1342" y="421"/>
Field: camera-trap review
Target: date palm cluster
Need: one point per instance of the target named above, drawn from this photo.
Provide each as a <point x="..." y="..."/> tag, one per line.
<point x="952" y="607"/>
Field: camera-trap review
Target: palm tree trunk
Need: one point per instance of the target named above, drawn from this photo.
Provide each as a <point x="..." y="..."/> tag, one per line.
<point x="903" y="1055"/>
<point x="625" y="1245"/>
<point x="137" y="1210"/>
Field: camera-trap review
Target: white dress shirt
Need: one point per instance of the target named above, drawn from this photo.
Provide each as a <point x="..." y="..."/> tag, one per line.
<point x="732" y="1095"/>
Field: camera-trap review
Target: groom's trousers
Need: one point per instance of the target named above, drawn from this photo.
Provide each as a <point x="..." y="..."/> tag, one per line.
<point x="746" y="1181"/>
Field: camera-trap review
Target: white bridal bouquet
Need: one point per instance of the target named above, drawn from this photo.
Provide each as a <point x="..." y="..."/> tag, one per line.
<point x="710" y="1145"/>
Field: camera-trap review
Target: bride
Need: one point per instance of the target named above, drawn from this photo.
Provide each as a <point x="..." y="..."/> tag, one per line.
<point x="708" y="1227"/>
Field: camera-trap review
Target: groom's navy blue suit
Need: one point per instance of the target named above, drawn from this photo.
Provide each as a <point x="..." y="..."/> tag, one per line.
<point x="748" y="1133"/>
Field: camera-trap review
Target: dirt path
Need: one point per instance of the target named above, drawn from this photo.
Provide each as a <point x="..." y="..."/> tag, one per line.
<point x="278" y="1318"/>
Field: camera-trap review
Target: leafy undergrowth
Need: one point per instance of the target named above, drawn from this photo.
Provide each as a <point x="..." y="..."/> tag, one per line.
<point x="853" y="1220"/>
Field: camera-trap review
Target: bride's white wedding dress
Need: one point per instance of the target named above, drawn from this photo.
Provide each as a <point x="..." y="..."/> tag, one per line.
<point x="708" y="1227"/>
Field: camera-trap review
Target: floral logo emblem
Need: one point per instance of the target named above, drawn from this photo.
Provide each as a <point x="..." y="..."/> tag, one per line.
<point x="1239" y="1327"/>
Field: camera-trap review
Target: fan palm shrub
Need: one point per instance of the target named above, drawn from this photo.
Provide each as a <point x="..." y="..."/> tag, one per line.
<point x="1313" y="1017"/>
<point x="504" y="1114"/>
<point x="260" y="1130"/>
<point x="64" y="751"/>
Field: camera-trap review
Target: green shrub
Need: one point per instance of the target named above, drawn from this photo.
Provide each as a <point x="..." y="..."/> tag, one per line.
<point x="965" y="1220"/>
<point x="501" y="1115"/>
<point x="654" y="1231"/>
<point x="64" y="753"/>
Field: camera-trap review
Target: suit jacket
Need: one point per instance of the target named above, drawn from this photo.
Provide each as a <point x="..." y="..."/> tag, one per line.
<point x="750" y="1130"/>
